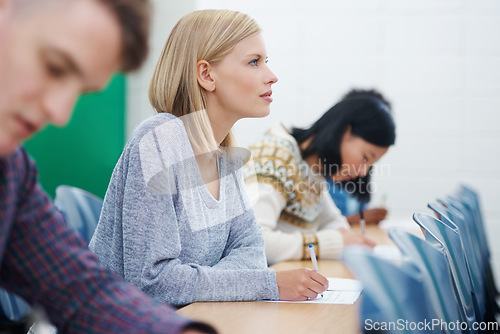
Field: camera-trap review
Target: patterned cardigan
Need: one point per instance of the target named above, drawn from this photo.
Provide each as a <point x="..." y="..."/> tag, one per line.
<point x="291" y="203"/>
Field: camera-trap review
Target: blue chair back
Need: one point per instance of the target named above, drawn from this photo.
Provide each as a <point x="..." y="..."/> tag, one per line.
<point x="466" y="205"/>
<point x="470" y="199"/>
<point x="13" y="309"/>
<point x="445" y="237"/>
<point x="391" y="293"/>
<point x="473" y="228"/>
<point x="436" y="274"/>
<point x="453" y="218"/>
<point x="81" y="209"/>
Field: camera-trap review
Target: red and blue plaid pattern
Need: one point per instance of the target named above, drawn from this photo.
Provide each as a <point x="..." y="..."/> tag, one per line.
<point x="50" y="265"/>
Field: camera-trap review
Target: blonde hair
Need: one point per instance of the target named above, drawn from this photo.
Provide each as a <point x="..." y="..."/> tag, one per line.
<point x="201" y="35"/>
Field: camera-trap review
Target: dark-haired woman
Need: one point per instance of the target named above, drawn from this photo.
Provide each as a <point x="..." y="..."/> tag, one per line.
<point x="286" y="177"/>
<point x="350" y="200"/>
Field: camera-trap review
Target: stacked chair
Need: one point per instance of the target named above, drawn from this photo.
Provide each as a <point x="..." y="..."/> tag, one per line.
<point x="444" y="283"/>
<point x="393" y="294"/>
<point x="80" y="208"/>
<point x="15" y="313"/>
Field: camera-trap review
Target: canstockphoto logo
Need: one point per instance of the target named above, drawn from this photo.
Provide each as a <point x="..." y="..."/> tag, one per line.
<point x="428" y="326"/>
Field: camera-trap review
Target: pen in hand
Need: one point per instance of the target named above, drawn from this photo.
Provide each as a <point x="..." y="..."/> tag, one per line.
<point x="362" y="221"/>
<point x="313" y="259"/>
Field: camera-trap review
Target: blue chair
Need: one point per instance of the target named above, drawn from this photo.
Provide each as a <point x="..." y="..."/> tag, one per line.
<point x="436" y="274"/>
<point x="80" y="208"/>
<point x="468" y="219"/>
<point x="392" y="294"/>
<point x="467" y="203"/>
<point x="470" y="199"/>
<point x="453" y="218"/>
<point x="14" y="311"/>
<point x="471" y="227"/>
<point x="444" y="237"/>
<point x="446" y="211"/>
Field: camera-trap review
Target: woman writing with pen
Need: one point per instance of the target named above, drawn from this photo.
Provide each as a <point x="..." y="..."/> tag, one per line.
<point x="286" y="178"/>
<point x="176" y="220"/>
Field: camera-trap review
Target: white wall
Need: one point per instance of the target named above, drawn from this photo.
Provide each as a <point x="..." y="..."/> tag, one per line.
<point x="166" y="14"/>
<point x="438" y="61"/>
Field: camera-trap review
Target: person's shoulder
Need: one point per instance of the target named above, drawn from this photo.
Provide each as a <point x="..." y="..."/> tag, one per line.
<point x="19" y="160"/>
<point x="234" y="158"/>
<point x="161" y="124"/>
<point x="160" y="129"/>
<point x="277" y="144"/>
<point x="277" y="133"/>
<point x="19" y="170"/>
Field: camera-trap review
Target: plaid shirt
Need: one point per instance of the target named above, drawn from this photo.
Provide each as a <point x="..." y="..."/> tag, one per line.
<point x="48" y="264"/>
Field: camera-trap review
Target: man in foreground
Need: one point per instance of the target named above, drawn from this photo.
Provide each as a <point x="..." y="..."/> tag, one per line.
<point x="50" y="52"/>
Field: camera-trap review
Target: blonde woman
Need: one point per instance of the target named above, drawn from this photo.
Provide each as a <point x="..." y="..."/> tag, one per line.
<point x="176" y="220"/>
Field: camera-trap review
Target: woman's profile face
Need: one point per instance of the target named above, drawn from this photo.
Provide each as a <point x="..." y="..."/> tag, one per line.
<point x="243" y="81"/>
<point x="357" y="155"/>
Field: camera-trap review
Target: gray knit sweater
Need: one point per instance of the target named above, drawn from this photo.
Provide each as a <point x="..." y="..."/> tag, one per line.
<point x="161" y="229"/>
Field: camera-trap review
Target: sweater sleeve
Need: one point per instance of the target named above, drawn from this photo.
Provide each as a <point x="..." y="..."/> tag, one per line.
<point x="245" y="248"/>
<point x="152" y="261"/>
<point x="268" y="204"/>
<point x="329" y="238"/>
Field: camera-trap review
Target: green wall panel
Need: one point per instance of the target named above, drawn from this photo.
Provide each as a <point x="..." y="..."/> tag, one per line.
<point x="85" y="151"/>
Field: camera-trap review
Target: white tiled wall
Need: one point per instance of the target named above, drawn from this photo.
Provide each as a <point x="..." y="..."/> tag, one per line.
<point x="438" y="61"/>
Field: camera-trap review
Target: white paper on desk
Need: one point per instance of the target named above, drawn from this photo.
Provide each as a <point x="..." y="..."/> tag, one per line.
<point x="344" y="284"/>
<point x="340" y="291"/>
<point x="402" y="223"/>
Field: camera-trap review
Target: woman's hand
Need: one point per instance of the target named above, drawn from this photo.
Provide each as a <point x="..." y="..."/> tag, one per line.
<point x="355" y="238"/>
<point x="300" y="284"/>
<point x="372" y="216"/>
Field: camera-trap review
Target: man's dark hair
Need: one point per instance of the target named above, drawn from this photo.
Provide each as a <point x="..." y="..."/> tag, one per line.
<point x="134" y="18"/>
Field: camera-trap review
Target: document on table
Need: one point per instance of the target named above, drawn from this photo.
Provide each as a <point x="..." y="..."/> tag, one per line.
<point x="388" y="252"/>
<point x="401" y="223"/>
<point x="340" y="291"/>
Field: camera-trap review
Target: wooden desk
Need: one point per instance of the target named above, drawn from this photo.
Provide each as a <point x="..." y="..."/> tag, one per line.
<point x="265" y="317"/>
